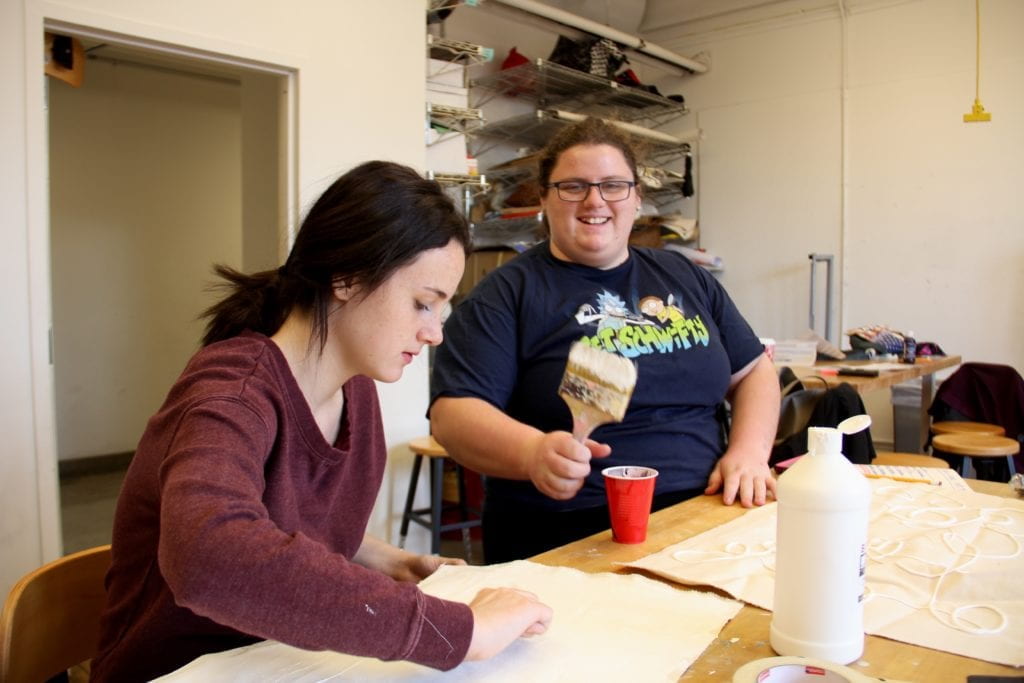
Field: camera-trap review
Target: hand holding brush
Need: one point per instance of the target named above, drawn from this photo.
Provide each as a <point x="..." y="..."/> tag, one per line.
<point x="596" y="386"/>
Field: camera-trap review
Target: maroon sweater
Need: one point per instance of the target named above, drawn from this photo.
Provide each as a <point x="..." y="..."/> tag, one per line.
<point x="237" y="522"/>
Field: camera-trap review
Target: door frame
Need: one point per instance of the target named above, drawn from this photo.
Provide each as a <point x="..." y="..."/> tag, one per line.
<point x="158" y="41"/>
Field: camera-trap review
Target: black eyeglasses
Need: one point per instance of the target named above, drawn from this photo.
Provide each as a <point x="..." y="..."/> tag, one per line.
<point x="577" y="190"/>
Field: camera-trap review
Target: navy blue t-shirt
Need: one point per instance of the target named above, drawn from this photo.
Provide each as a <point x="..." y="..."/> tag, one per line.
<point x="508" y="341"/>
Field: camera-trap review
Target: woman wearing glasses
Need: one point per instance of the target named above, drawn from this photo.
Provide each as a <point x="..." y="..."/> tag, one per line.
<point x="495" y="403"/>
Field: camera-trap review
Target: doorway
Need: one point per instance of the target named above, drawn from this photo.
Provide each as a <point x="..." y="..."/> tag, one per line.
<point x="162" y="163"/>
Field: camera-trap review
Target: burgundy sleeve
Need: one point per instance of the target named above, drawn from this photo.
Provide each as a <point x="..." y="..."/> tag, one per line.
<point x="224" y="558"/>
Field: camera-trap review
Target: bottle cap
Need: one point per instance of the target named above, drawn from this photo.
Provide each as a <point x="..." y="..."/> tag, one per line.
<point x="854" y="424"/>
<point x="824" y="440"/>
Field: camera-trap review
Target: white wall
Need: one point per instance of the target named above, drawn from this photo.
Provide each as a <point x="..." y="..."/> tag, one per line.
<point x="935" y="213"/>
<point x="22" y="522"/>
<point x="264" y="171"/>
<point x="929" y="221"/>
<point x="145" y="194"/>
<point x="360" y="95"/>
<point x="768" y="171"/>
<point x="919" y="206"/>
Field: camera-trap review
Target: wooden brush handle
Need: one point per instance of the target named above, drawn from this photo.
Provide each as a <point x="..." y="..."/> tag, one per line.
<point x="585" y="419"/>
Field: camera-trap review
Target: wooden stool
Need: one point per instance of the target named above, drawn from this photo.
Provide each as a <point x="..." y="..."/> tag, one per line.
<point x="957" y="427"/>
<point x="908" y="460"/>
<point x="983" y="449"/>
<point x="431" y="517"/>
<point x="957" y="462"/>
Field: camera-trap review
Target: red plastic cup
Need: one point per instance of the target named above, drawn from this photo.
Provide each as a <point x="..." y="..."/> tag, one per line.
<point x="630" y="491"/>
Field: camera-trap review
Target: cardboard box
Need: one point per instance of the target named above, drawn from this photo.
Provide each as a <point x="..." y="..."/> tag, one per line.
<point x="479" y="264"/>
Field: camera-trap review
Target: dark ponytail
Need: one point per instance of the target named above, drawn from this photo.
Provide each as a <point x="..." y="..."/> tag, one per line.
<point x="370" y="222"/>
<point x="251" y="304"/>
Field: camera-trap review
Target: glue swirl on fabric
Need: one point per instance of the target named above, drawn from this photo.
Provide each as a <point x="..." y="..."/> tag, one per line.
<point x="734" y="550"/>
<point x="944" y="513"/>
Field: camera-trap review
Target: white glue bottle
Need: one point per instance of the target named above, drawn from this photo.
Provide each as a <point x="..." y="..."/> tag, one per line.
<point x="821" y="537"/>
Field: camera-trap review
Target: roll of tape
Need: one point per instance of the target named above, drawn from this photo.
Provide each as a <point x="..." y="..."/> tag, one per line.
<point x="800" y="670"/>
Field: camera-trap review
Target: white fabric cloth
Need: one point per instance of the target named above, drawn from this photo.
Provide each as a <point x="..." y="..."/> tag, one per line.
<point x="945" y="568"/>
<point x="606" y="627"/>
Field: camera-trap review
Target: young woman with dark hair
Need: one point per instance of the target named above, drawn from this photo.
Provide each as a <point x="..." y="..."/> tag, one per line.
<point x="244" y="511"/>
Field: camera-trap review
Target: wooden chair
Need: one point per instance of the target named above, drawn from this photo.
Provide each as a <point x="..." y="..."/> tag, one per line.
<point x="908" y="460"/>
<point x="51" y="620"/>
<point x="431" y="517"/>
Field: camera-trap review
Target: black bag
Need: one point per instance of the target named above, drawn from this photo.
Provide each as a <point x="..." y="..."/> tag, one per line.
<point x="798" y="404"/>
<point x="804" y="407"/>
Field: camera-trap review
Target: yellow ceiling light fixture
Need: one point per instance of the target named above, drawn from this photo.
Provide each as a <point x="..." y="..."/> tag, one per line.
<point x="977" y="113"/>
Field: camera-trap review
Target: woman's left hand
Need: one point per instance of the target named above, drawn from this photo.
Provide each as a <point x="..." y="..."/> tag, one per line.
<point x="418" y="567"/>
<point x="741" y="475"/>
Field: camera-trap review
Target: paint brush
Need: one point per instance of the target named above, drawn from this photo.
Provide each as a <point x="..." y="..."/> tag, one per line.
<point x="597" y="386"/>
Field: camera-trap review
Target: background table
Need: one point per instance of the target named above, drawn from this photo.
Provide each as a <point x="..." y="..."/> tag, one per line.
<point x="925" y="368"/>
<point x="745" y="638"/>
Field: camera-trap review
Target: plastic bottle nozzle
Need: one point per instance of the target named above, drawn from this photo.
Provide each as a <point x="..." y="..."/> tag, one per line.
<point x="823" y="440"/>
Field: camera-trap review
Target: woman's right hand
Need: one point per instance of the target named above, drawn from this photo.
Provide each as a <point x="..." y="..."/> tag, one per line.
<point x="500" y="616"/>
<point x="559" y="463"/>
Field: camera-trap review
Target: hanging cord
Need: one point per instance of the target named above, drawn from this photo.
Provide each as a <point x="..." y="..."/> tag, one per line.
<point x="977" y="50"/>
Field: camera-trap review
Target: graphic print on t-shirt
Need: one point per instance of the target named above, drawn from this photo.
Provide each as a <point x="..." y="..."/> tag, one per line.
<point x="660" y="325"/>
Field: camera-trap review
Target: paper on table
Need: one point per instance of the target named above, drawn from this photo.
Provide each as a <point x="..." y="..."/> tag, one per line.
<point x="943" y="569"/>
<point x="606" y="627"/>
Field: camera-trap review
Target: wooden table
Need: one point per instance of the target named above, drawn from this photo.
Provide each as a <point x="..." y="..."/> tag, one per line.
<point x="745" y="638"/>
<point x="925" y="368"/>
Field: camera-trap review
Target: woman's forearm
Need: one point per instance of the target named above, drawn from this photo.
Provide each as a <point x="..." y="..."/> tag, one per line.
<point x="755" y="409"/>
<point x="484" y="439"/>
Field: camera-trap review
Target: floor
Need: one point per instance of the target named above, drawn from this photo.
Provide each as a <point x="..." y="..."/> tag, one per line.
<point x="87" y="504"/>
<point x="87" y="513"/>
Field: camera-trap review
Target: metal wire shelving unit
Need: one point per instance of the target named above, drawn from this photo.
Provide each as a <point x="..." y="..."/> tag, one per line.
<point x="552" y="85"/>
